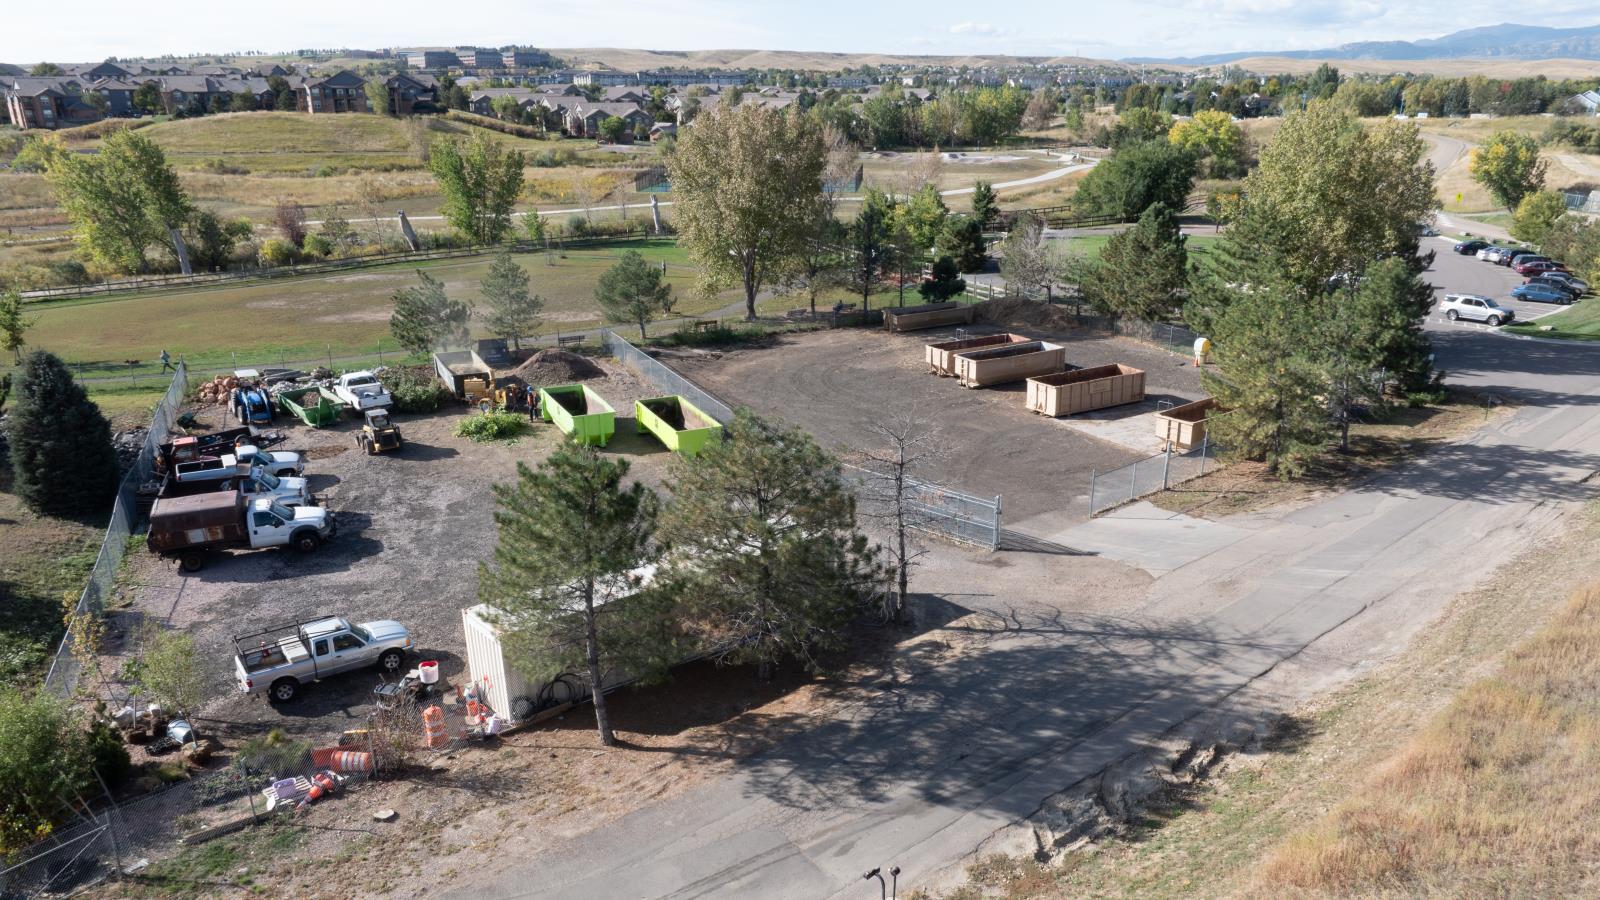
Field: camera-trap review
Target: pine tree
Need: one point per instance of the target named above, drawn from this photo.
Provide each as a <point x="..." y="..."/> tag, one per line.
<point x="1272" y="379"/>
<point x="1143" y="270"/>
<point x="562" y="585"/>
<point x="632" y="291"/>
<point x="61" y="451"/>
<point x="985" y="206"/>
<point x="766" y="551"/>
<point x="962" y="239"/>
<point x="869" y="250"/>
<point x="425" y="317"/>
<point x="945" y="283"/>
<point x="513" y="310"/>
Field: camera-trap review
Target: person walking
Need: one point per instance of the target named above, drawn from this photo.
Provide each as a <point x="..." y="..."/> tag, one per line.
<point x="166" y="363"/>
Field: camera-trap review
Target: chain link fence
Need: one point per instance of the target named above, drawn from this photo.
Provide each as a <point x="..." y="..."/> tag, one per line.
<point x="938" y="510"/>
<point x="1111" y="489"/>
<point x="65" y="669"/>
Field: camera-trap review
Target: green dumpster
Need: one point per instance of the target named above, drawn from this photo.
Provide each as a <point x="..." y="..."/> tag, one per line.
<point x="676" y="422"/>
<point x="316" y="406"/>
<point x="579" y="412"/>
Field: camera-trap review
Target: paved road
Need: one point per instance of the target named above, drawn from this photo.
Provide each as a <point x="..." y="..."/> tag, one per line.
<point x="936" y="764"/>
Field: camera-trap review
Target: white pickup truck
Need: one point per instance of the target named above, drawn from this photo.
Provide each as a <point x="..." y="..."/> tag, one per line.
<point x="239" y="463"/>
<point x="363" y="391"/>
<point x="280" y="659"/>
<point x="188" y="527"/>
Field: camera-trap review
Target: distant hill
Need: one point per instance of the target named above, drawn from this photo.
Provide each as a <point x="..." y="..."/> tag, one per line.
<point x="639" y="60"/>
<point x="1506" y="41"/>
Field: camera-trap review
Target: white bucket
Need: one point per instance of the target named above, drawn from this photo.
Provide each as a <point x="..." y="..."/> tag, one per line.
<point x="428" y="671"/>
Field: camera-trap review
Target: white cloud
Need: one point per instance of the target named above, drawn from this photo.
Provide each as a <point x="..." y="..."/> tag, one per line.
<point x="978" y="29"/>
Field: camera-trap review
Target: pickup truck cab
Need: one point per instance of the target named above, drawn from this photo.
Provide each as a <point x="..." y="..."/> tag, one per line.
<point x="288" y="490"/>
<point x="240" y="462"/>
<point x="363" y="391"/>
<point x="281" y="659"/>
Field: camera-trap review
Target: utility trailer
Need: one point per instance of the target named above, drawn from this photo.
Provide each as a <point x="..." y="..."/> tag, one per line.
<point x="677" y="423"/>
<point x="579" y="412"/>
<point x="941" y="356"/>
<point x="1084" y="390"/>
<point x="1007" y="363"/>
<point x="927" y="315"/>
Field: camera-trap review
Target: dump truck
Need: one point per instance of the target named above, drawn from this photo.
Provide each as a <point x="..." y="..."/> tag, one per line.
<point x="189" y="528"/>
<point x="315" y="406"/>
<point x="461" y="369"/>
<point x="279" y="659"/>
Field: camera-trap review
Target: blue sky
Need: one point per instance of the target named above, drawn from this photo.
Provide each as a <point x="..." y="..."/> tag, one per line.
<point x="95" y="29"/>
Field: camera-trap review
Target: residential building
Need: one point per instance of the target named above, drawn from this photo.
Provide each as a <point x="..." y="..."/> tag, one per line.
<point x="475" y="58"/>
<point x="339" y="93"/>
<point x="524" y="59"/>
<point x="603" y="78"/>
<point x="583" y="119"/>
<point x="410" y="92"/>
<point x="1586" y="103"/>
<point x="37" y="102"/>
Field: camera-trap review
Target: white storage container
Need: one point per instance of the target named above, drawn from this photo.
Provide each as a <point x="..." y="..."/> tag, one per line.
<point x="498" y="684"/>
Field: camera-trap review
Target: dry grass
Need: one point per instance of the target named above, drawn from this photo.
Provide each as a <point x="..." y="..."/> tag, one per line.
<point x="1476" y="131"/>
<point x="1496" y="795"/>
<point x="24" y="190"/>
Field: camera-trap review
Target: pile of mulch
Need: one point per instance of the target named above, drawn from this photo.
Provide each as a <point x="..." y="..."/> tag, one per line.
<point x="548" y="367"/>
<point x="1022" y="311"/>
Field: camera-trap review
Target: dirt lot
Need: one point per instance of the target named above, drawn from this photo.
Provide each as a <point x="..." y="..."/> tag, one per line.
<point x="835" y="383"/>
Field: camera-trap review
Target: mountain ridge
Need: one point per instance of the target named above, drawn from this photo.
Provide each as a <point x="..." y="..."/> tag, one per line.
<point x="1504" y="41"/>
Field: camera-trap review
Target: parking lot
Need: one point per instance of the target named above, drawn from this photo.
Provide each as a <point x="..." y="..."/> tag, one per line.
<point x="836" y="384"/>
<point x="413" y="527"/>
<point x="1456" y="274"/>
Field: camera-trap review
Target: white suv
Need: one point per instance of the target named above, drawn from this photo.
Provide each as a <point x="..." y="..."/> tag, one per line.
<point x="1480" y="309"/>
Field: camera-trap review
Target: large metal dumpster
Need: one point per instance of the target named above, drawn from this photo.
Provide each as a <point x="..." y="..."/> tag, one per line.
<point x="1184" y="426"/>
<point x="928" y="315"/>
<point x="457" y="368"/>
<point x="579" y="412"/>
<point x="677" y="423"/>
<point x="316" y="406"/>
<point x="1082" y="390"/>
<point x="941" y="356"/>
<point x="1012" y="362"/>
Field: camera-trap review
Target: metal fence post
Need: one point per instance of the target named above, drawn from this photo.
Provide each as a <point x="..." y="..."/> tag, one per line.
<point x="1133" y="481"/>
<point x="1166" y="465"/>
<point x="1092" y="476"/>
<point x="1205" y="445"/>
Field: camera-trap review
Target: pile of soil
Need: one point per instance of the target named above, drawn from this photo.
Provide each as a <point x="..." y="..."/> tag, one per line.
<point x="549" y="367"/>
<point x="1020" y="311"/>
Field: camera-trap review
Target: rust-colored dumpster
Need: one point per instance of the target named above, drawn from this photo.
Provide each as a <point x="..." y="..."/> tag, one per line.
<point x="941" y="356"/>
<point x="1011" y="362"/>
<point x="928" y="315"/>
<point x="1083" y="390"/>
<point x="1184" y="426"/>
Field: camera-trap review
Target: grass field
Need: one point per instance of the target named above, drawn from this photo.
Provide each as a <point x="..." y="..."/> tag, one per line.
<point x="299" y="319"/>
<point x="1578" y="322"/>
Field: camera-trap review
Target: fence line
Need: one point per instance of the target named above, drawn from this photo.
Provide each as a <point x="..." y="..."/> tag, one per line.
<point x="203" y="279"/>
<point x="1153" y="474"/>
<point x="940" y="510"/>
<point x="64" y="674"/>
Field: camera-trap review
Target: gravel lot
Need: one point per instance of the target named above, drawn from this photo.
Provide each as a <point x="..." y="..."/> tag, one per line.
<point x="413" y="527"/>
<point x="835" y="384"/>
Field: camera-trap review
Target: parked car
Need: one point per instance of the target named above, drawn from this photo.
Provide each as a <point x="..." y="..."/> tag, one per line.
<point x="1494" y="254"/>
<point x="1468" y="248"/>
<point x="1476" y="308"/>
<point x="280" y="659"/>
<point x="1547" y="279"/>
<point x="1537" y="267"/>
<point x="188" y="527"/>
<point x="1569" y="279"/>
<point x="1515" y="255"/>
<point x="1540" y="293"/>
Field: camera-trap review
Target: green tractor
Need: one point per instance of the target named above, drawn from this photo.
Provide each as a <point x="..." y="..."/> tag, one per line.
<point x="377" y="433"/>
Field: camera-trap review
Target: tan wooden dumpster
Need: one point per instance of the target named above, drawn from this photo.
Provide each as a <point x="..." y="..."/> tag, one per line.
<point x="1184" y="426"/>
<point x="1011" y="362"/>
<point x="941" y="356"/>
<point x="928" y="315"/>
<point x="1082" y="390"/>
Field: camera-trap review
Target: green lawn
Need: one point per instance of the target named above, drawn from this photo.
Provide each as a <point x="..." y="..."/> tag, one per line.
<point x="1578" y="322"/>
<point x="306" y="318"/>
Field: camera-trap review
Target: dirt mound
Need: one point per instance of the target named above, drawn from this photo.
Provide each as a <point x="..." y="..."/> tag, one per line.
<point x="549" y="367"/>
<point x="1021" y="311"/>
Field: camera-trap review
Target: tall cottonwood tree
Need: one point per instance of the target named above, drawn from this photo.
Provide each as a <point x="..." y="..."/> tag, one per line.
<point x="743" y="178"/>
<point x="564" y="586"/>
<point x="480" y="180"/>
<point x="512" y="310"/>
<point x="766" y="555"/>
<point x="122" y="200"/>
